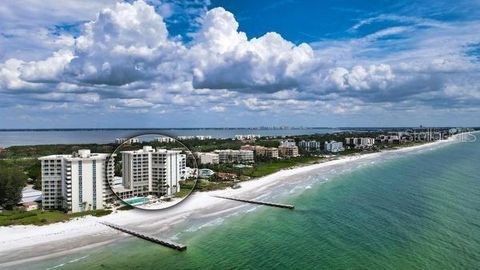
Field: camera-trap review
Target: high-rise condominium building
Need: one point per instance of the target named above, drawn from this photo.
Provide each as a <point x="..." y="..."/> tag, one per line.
<point x="360" y="142"/>
<point x="310" y="145"/>
<point x="76" y="182"/>
<point x="151" y="171"/>
<point x="334" y="146"/>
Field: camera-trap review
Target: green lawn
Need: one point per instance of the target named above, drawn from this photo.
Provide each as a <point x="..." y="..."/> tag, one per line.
<point x="202" y="185"/>
<point x="39" y="217"/>
<point x="185" y="188"/>
<point x="268" y="167"/>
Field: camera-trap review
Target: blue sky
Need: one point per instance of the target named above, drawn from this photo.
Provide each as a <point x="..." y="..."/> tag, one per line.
<point x="239" y="63"/>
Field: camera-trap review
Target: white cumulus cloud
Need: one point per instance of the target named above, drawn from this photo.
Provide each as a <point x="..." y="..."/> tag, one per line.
<point x="126" y="43"/>
<point x="223" y="57"/>
<point x="362" y="78"/>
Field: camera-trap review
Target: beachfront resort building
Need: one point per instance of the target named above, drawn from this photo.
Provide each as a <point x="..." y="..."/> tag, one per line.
<point x="76" y="182"/>
<point x="207" y="158"/>
<point x="150" y="171"/>
<point x="365" y="142"/>
<point x="270" y="152"/>
<point x="334" y="146"/>
<point x="261" y="151"/>
<point x="235" y="156"/>
<point x="309" y="145"/>
<point x="288" y="149"/>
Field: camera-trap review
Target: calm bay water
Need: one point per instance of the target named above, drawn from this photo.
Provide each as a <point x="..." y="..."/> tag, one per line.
<point x="414" y="211"/>
<point x="38" y="137"/>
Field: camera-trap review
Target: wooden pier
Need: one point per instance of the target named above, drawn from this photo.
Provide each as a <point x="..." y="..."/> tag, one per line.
<point x="279" y="205"/>
<point x="153" y="239"/>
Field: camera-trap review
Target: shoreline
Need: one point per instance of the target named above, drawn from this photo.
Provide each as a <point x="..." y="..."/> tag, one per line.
<point x="35" y="243"/>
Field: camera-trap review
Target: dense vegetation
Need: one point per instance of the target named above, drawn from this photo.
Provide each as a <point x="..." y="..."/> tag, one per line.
<point x="35" y="151"/>
<point x="39" y="217"/>
<point x="28" y="167"/>
<point x="202" y="185"/>
<point x="213" y="144"/>
<point x="12" y="181"/>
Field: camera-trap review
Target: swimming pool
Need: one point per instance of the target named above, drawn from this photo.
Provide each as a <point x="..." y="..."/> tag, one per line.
<point x="134" y="201"/>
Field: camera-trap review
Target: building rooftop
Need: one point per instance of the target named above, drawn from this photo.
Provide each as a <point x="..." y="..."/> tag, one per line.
<point x="149" y="149"/>
<point x="81" y="154"/>
<point x="30" y="195"/>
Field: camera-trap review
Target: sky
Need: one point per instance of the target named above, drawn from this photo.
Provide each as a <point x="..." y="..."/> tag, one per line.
<point x="207" y="63"/>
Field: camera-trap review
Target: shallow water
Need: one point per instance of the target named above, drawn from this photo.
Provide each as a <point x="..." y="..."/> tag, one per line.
<point x="404" y="211"/>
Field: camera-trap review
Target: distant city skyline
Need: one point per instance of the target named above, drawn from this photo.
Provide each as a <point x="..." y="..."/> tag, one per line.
<point x="193" y="64"/>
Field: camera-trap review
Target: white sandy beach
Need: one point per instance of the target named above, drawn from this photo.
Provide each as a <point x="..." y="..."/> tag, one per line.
<point x="19" y="244"/>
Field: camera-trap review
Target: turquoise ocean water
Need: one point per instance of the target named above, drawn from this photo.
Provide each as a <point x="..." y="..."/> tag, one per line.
<point x="411" y="211"/>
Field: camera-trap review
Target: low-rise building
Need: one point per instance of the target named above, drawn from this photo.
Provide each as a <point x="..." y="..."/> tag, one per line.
<point x="235" y="156"/>
<point x="31" y="195"/>
<point x="184" y="138"/>
<point x="288" y="143"/>
<point x="29" y="206"/>
<point x="334" y="146"/>
<point x="126" y="140"/>
<point x="391" y="138"/>
<point x="248" y="147"/>
<point x="246" y="137"/>
<point x="165" y="139"/>
<point x="226" y="176"/>
<point x="207" y="158"/>
<point x="203" y="137"/>
<point x="197" y="137"/>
